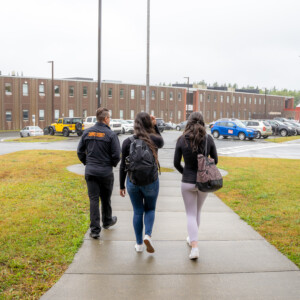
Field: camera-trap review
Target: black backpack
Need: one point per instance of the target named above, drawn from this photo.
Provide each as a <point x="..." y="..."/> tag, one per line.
<point x="140" y="163"/>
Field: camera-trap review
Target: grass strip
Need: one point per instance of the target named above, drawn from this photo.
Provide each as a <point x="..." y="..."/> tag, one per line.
<point x="282" y="139"/>
<point x="38" y="139"/>
<point x="264" y="192"/>
<point x="43" y="218"/>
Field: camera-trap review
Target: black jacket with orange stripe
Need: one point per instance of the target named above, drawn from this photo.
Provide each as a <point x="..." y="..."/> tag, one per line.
<point x="99" y="150"/>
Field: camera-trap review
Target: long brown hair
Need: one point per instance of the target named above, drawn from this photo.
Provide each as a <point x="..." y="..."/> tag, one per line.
<point x="143" y="127"/>
<point x="195" y="130"/>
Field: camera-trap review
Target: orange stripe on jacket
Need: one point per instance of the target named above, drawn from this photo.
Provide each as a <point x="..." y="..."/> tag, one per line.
<point x="97" y="134"/>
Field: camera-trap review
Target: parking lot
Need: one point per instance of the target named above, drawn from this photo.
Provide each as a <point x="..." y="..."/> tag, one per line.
<point x="225" y="147"/>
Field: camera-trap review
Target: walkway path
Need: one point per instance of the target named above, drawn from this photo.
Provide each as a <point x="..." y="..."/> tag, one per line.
<point x="235" y="261"/>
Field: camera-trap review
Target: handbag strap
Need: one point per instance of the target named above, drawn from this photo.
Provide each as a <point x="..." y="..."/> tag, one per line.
<point x="205" y="147"/>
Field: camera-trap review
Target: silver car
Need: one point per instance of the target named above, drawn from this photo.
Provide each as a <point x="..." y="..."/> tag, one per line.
<point x="264" y="129"/>
<point x="31" y="131"/>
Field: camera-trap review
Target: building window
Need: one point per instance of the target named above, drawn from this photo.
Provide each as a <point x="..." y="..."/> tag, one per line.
<point x="8" y="116"/>
<point x="56" y="114"/>
<point x="153" y="95"/>
<point x="132" y="114"/>
<point x="41" y="115"/>
<point x="215" y="98"/>
<point x="239" y="100"/>
<point x="162" y="114"/>
<point x="25" y="89"/>
<point x="179" y="114"/>
<point x="233" y="99"/>
<point x="249" y="115"/>
<point x="227" y="98"/>
<point x="239" y="115"/>
<point x="121" y="93"/>
<point x="259" y="100"/>
<point x="179" y="96"/>
<point x="96" y="92"/>
<point x="25" y="115"/>
<point x="201" y="97"/>
<point x="207" y="114"/>
<point x="250" y="100"/>
<point x="110" y="113"/>
<point x="84" y="113"/>
<point x="71" y="113"/>
<point x="221" y="98"/>
<point x="171" y="95"/>
<point x="162" y="95"/>
<point x="56" y="90"/>
<point x="233" y="114"/>
<point x="42" y="89"/>
<point x="171" y="115"/>
<point x="71" y="91"/>
<point x="208" y="98"/>
<point x="221" y="114"/>
<point x="110" y="93"/>
<point x="227" y="114"/>
<point x="143" y="94"/>
<point x="85" y="91"/>
<point x="132" y="94"/>
<point x="8" y="90"/>
<point x="215" y="115"/>
<point x="254" y="100"/>
<point x="245" y="100"/>
<point x="121" y="114"/>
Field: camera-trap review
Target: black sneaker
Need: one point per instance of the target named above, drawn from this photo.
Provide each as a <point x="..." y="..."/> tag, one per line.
<point x="113" y="222"/>
<point x="94" y="235"/>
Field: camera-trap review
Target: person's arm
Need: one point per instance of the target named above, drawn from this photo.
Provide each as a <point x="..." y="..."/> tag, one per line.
<point x="213" y="150"/>
<point x="123" y="172"/>
<point x="81" y="150"/>
<point x="177" y="157"/>
<point x="115" y="150"/>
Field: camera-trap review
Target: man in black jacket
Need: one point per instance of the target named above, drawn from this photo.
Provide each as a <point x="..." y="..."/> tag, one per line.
<point x="99" y="150"/>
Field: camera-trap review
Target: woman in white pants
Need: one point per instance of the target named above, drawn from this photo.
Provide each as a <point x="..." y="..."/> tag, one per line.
<point x="189" y="145"/>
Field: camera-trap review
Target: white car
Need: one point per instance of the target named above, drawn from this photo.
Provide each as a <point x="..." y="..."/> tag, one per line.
<point x="264" y="129"/>
<point x="31" y="131"/>
<point x="126" y="126"/>
<point x="114" y="125"/>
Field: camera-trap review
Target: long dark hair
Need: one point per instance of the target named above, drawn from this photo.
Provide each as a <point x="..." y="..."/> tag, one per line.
<point x="195" y="130"/>
<point x="143" y="127"/>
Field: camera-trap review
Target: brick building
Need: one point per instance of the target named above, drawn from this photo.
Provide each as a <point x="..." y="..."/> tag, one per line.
<point x="22" y="97"/>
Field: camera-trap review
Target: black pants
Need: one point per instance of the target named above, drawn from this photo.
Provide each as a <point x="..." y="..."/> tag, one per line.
<point x="100" y="187"/>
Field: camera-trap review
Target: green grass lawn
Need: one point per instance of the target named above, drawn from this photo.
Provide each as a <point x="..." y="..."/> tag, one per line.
<point x="265" y="193"/>
<point x="38" y="139"/>
<point x="282" y="139"/>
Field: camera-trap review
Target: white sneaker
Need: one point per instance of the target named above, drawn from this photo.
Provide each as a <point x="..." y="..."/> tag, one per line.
<point x="188" y="241"/>
<point x="139" y="248"/>
<point x="194" y="253"/>
<point x="149" y="244"/>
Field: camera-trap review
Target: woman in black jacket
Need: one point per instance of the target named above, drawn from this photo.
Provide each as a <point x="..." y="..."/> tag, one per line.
<point x="143" y="197"/>
<point x="189" y="145"/>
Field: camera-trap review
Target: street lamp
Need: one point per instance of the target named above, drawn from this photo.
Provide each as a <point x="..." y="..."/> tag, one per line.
<point x="99" y="51"/>
<point x="188" y="82"/>
<point x="52" y="90"/>
<point x="148" y="59"/>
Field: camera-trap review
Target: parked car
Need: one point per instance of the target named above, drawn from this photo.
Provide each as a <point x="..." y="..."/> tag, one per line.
<point x="126" y="126"/>
<point x="170" y="126"/>
<point x="211" y="124"/>
<point x="233" y="128"/>
<point x="130" y="121"/>
<point x="114" y="125"/>
<point x="181" y="126"/>
<point x="293" y="125"/>
<point x="280" y="128"/>
<point x="31" y="131"/>
<point x="160" y="124"/>
<point x="264" y="129"/>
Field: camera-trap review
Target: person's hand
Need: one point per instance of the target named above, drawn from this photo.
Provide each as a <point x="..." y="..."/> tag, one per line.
<point x="122" y="193"/>
<point x="153" y="119"/>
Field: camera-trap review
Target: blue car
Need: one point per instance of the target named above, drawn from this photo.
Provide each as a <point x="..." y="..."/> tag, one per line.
<point x="233" y="128"/>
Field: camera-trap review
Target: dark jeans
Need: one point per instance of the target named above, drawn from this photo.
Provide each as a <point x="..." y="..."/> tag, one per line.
<point x="143" y="199"/>
<point x="102" y="187"/>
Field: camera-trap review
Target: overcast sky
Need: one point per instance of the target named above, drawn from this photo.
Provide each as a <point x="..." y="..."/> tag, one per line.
<point x="255" y="42"/>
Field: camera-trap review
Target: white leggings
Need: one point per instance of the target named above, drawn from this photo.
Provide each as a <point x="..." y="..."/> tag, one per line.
<point x="193" y="201"/>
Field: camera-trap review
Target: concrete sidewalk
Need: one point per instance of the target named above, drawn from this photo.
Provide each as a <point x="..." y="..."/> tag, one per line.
<point x="235" y="261"/>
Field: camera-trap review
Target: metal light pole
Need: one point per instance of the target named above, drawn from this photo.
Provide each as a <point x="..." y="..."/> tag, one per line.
<point x="188" y="89"/>
<point x="52" y="90"/>
<point x="99" y="52"/>
<point x="148" y="58"/>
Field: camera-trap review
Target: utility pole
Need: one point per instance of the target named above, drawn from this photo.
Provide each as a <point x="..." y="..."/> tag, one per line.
<point x="52" y="91"/>
<point x="148" y="59"/>
<point x="99" y="52"/>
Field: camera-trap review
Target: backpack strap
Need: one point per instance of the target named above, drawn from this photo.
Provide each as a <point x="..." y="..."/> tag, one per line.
<point x="132" y="139"/>
<point x="205" y="146"/>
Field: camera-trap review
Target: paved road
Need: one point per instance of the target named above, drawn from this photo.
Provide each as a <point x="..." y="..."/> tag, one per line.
<point x="228" y="147"/>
